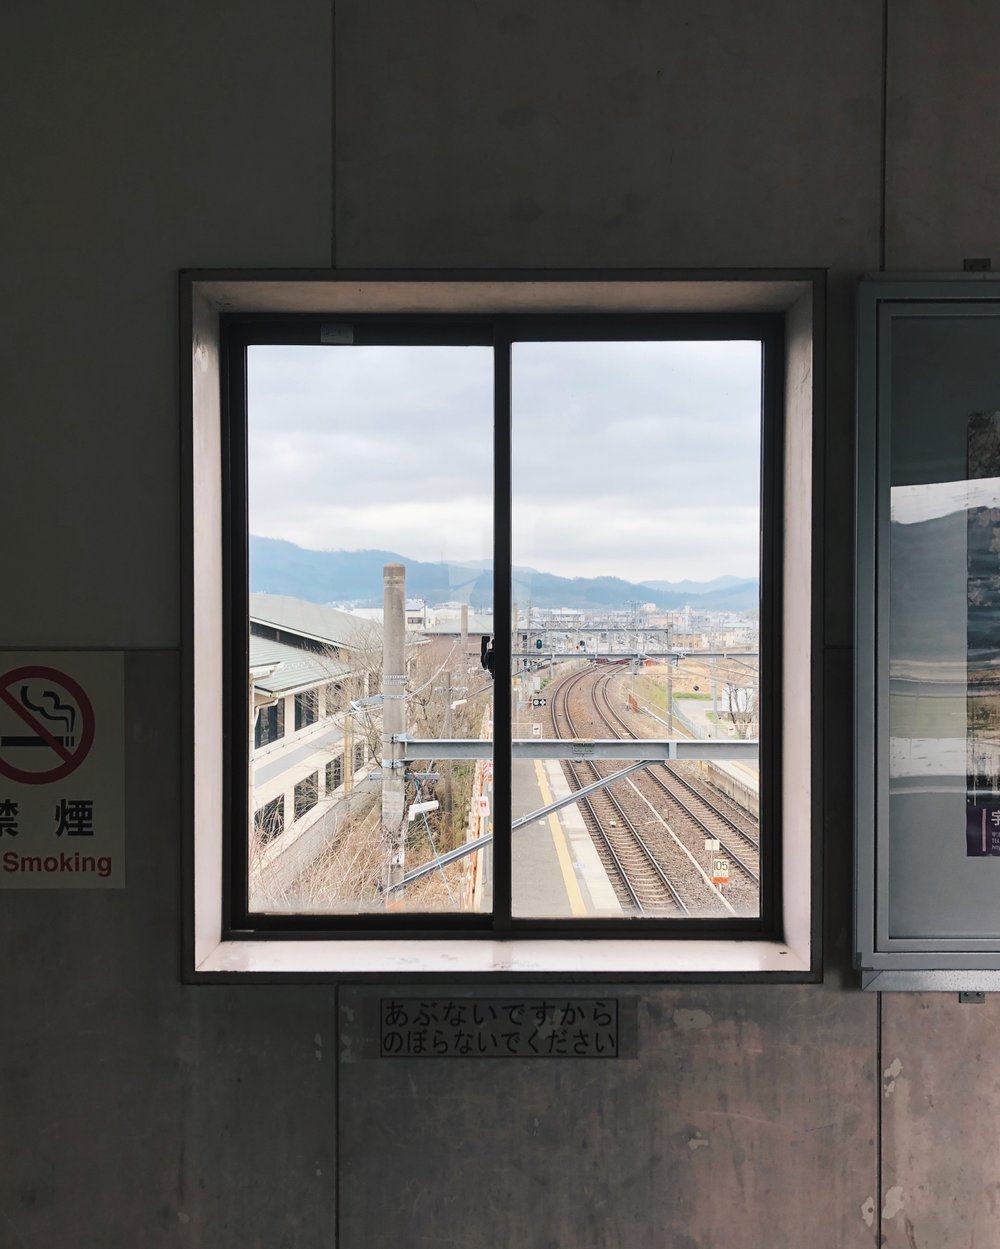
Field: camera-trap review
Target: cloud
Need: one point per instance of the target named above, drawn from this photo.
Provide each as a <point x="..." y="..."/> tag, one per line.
<point x="640" y="542"/>
<point x="632" y="459"/>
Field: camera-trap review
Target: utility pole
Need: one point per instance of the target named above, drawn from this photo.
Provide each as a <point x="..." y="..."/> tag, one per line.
<point x="465" y="631"/>
<point x="715" y="701"/>
<point x="670" y="699"/>
<point x="515" y="694"/>
<point x="394" y="722"/>
<point x="446" y="804"/>
<point x="348" y="740"/>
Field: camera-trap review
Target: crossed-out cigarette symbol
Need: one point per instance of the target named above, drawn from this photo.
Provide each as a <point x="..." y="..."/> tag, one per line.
<point x="59" y="720"/>
<point x="57" y="713"/>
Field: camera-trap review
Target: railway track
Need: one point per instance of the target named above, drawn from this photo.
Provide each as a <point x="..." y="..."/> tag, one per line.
<point x="637" y="871"/>
<point x="692" y="800"/>
<point x="683" y="815"/>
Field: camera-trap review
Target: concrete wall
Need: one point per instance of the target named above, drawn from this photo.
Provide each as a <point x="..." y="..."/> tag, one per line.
<point x="142" y="138"/>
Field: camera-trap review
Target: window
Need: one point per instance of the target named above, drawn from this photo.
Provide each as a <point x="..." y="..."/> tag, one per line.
<point x="306" y="794"/>
<point x="333" y="698"/>
<point x="306" y="709"/>
<point x="334" y="774"/>
<point x="270" y="724"/>
<point x="542" y="455"/>
<point x="269" y="820"/>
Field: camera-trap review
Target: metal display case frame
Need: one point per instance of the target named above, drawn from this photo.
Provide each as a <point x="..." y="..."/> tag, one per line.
<point x="966" y="961"/>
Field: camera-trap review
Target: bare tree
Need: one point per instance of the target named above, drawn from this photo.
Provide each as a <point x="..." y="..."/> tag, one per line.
<point x="344" y="877"/>
<point x="741" y="703"/>
<point x="442" y="693"/>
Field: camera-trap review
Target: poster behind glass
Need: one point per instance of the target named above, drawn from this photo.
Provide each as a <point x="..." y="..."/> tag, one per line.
<point x="982" y="740"/>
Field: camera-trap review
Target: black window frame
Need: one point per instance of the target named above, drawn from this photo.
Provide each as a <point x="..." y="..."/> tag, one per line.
<point x="238" y="332"/>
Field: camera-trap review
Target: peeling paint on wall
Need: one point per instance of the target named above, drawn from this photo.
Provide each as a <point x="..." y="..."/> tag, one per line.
<point x="889" y="1076"/>
<point x="868" y="1211"/>
<point x="893" y="1202"/>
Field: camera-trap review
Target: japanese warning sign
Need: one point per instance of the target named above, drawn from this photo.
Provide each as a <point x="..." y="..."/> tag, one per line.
<point x="61" y="771"/>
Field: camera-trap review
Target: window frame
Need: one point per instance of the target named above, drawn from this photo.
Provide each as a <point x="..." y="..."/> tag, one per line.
<point x="770" y="310"/>
<point x="501" y="335"/>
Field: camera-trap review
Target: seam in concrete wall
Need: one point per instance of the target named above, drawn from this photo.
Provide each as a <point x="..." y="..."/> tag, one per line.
<point x="882" y="135"/>
<point x="333" y="139"/>
<point x="878" y="1120"/>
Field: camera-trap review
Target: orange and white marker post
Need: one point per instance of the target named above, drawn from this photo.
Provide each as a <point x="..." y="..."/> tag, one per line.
<point x="720" y="871"/>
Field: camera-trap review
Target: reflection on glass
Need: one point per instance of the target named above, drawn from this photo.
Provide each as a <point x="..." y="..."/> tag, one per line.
<point x="636" y="534"/>
<point x="931" y="538"/>
<point x="362" y="457"/>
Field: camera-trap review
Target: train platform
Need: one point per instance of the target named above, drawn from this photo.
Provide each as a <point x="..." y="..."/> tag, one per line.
<point x="556" y="870"/>
<point x="741" y="781"/>
<point x="747" y="773"/>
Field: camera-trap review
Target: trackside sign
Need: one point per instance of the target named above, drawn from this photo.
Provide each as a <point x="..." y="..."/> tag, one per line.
<point x="61" y="770"/>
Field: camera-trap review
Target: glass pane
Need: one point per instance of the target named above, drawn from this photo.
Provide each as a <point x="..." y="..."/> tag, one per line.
<point x="636" y="538"/>
<point x="941" y="738"/>
<point x="362" y="457"/>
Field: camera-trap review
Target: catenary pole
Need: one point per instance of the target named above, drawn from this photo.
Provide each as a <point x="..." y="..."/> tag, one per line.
<point x="394" y="722"/>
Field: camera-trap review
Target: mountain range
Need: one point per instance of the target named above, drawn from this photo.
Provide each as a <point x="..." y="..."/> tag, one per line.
<point x="279" y="567"/>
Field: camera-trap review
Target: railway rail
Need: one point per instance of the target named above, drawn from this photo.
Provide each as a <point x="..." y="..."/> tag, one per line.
<point x="683" y="816"/>
<point x="637" y="870"/>
<point x="716" y="822"/>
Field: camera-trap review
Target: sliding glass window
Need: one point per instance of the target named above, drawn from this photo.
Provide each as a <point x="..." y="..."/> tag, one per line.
<point x="476" y="568"/>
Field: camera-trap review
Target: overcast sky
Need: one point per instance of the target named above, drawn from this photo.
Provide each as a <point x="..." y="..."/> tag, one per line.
<point x="637" y="460"/>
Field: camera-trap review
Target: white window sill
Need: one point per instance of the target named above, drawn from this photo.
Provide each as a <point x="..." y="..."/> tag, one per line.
<point x="515" y="957"/>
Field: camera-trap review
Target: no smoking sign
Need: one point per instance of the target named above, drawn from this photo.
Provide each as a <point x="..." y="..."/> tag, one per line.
<point x="61" y="770"/>
<point x="56" y="725"/>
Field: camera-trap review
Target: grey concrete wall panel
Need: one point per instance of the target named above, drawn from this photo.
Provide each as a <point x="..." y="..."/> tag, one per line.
<point x="146" y="138"/>
<point x="135" y="1111"/>
<point x="940" y="1104"/>
<point x="584" y="132"/>
<point x="942" y="132"/>
<point x="748" y="1118"/>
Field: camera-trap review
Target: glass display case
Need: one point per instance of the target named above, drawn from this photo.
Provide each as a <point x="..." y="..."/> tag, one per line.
<point x="928" y="633"/>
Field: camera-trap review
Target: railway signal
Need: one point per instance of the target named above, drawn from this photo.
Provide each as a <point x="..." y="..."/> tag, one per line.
<point x="538" y="702"/>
